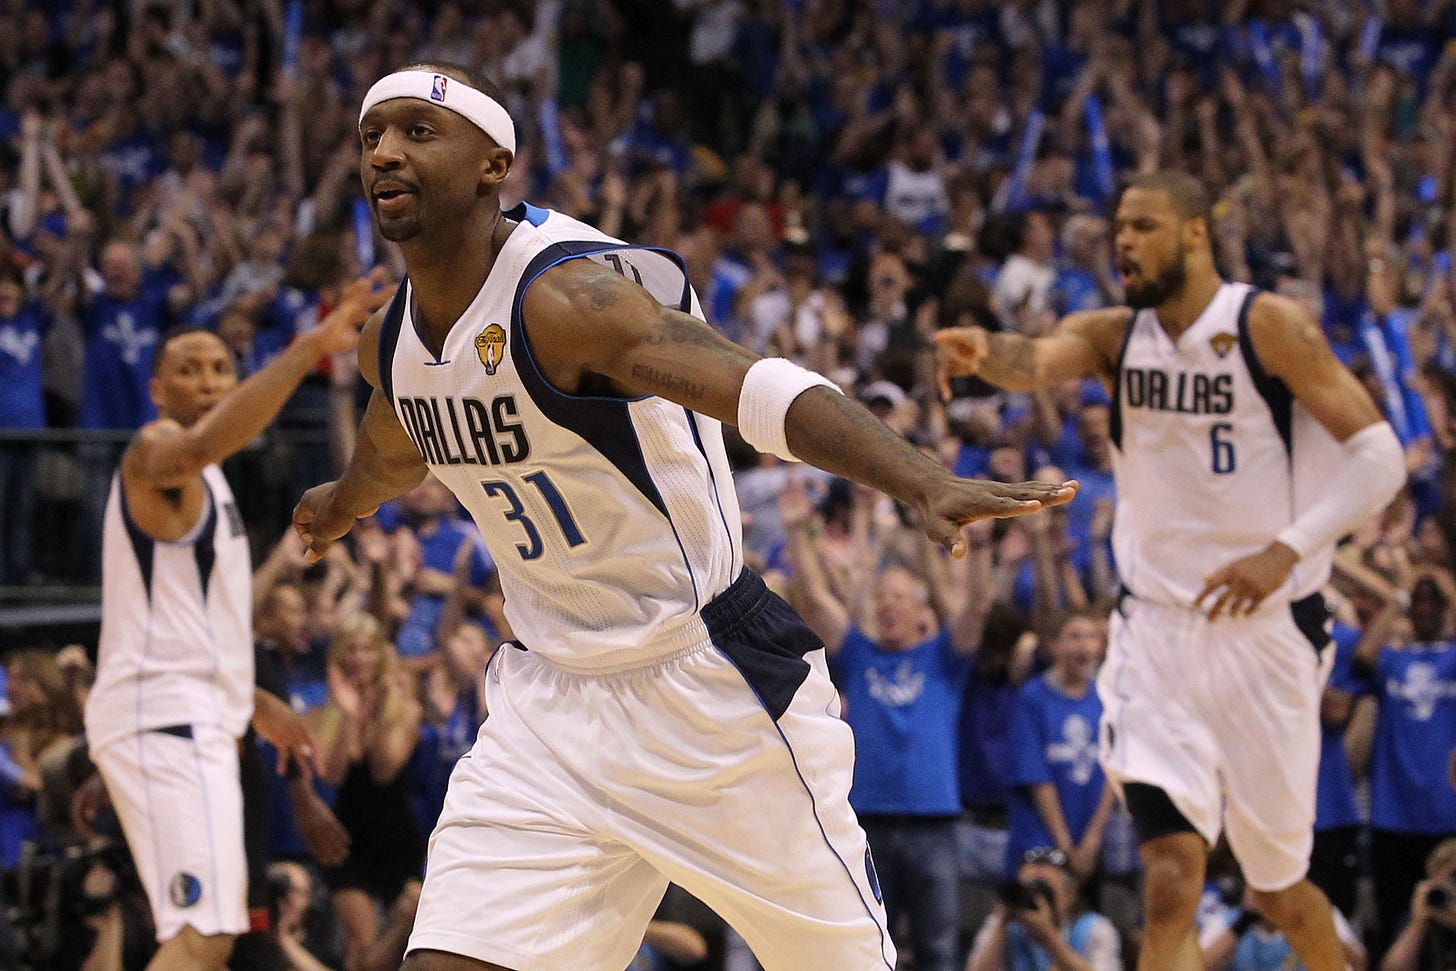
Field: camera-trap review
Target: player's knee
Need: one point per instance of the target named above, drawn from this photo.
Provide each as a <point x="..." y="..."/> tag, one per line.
<point x="204" y="950"/>
<point x="440" y="961"/>
<point x="1173" y="878"/>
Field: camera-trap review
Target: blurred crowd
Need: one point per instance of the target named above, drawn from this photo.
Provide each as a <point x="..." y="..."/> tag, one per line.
<point x="842" y="178"/>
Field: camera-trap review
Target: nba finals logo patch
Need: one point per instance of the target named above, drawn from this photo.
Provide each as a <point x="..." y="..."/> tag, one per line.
<point x="490" y="344"/>
<point x="437" y="90"/>
<point x="184" y="889"/>
<point x="1222" y="343"/>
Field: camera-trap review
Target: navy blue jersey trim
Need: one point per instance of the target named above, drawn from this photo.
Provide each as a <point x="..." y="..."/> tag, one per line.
<point x="142" y="545"/>
<point x="1114" y="417"/>
<point x="389" y="340"/>
<point x="204" y="551"/>
<point x="179" y="731"/>
<point x="603" y="421"/>
<point x="1274" y="391"/>
<point x="712" y="479"/>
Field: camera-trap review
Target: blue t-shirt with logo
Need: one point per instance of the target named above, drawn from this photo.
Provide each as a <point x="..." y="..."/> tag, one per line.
<point x="21" y="402"/>
<point x="120" y="338"/>
<point x="1415" y="732"/>
<point x="1335" y="804"/>
<point x="1053" y="741"/>
<point x="903" y="707"/>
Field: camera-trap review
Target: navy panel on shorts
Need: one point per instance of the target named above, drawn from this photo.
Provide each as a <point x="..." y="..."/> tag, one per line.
<point x="764" y="638"/>
<point x="1312" y="617"/>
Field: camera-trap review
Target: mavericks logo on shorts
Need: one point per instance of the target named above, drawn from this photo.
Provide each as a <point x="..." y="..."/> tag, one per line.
<point x="184" y="889"/>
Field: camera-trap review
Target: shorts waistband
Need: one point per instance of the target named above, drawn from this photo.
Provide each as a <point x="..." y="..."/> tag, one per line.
<point x="739" y="601"/>
<point x="1312" y="604"/>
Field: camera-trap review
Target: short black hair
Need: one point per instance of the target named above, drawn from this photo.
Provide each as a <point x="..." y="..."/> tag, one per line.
<point x="460" y="72"/>
<point x="171" y="334"/>
<point x="1190" y="197"/>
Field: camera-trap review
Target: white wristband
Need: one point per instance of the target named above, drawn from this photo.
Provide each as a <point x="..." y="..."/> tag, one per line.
<point x="769" y="388"/>
<point x="1374" y="470"/>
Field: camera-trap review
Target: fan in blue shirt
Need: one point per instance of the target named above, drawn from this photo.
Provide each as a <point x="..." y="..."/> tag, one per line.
<point x="1413" y="803"/>
<point x="1060" y="798"/>
<point x="902" y="676"/>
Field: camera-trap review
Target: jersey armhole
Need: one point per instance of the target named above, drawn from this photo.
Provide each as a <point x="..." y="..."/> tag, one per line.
<point x="1114" y="418"/>
<point x="389" y="339"/>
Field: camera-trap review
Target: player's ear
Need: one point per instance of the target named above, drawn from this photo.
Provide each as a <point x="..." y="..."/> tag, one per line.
<point x="1195" y="232"/>
<point x="495" y="167"/>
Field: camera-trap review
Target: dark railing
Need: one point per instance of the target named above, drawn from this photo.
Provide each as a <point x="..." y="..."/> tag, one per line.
<point x="58" y="600"/>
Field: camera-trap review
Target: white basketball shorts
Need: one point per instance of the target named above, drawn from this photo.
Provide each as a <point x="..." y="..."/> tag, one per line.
<point x="177" y="794"/>
<point x="724" y="769"/>
<point x="1224" y="717"/>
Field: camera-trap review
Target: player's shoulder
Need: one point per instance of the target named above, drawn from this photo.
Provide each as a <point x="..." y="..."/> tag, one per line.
<point x="1282" y="330"/>
<point x="1271" y="310"/>
<point x="370" y="335"/>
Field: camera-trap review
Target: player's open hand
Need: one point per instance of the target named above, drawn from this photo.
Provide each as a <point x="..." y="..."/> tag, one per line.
<point x="959" y="351"/>
<point x="1239" y="588"/>
<point x="339" y="331"/>
<point x="948" y="509"/>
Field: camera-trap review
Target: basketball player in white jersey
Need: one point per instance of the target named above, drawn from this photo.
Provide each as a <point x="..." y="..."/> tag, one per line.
<point x="1243" y="452"/>
<point x="174" y="680"/>
<point x="663" y="716"/>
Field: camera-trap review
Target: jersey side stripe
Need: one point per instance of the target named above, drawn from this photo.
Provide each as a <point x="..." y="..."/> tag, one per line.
<point x="713" y="480"/>
<point x="1274" y="392"/>
<point x="389" y="340"/>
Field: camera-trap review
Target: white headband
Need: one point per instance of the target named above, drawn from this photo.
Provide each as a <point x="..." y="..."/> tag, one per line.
<point x="479" y="108"/>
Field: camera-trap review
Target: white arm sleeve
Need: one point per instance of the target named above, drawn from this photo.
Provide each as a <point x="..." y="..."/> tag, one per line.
<point x="769" y="388"/>
<point x="1373" y="472"/>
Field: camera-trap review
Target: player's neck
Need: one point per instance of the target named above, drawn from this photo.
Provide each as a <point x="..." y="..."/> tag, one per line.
<point x="447" y="270"/>
<point x="1177" y="313"/>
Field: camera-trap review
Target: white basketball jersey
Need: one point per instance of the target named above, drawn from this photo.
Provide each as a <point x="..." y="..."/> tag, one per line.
<point x="611" y="520"/>
<point x="176" y="623"/>
<point x="1213" y="456"/>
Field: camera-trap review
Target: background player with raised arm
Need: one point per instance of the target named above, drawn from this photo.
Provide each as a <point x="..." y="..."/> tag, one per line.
<point x="174" y="681"/>
<point x="663" y="716"/>
<point x="1243" y="451"/>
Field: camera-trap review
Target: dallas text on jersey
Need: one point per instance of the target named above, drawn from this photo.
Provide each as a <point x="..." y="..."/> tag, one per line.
<point x="1187" y="393"/>
<point x="480" y="433"/>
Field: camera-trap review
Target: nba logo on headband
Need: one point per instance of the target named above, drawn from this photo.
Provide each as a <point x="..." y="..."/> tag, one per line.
<point x="437" y="91"/>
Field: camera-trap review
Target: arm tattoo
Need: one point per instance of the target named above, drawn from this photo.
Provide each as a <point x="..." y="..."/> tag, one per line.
<point x="679" y="328"/>
<point x="597" y="289"/>
<point x="667" y="381"/>
<point x="1010" y="354"/>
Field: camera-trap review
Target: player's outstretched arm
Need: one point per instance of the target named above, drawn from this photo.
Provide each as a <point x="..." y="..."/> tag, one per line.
<point x="583" y="318"/>
<point x="385" y="464"/>
<point x="1084" y="344"/>
<point x="166" y="455"/>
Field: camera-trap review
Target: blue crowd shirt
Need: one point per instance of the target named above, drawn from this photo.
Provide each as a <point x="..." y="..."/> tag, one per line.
<point x="120" y="338"/>
<point x="903" y="707"/>
<point x="985" y="740"/>
<point x="437" y="552"/>
<point x="1053" y="741"/>
<point x="1415" y="732"/>
<point x="1335" y="804"/>
<point x="21" y="401"/>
